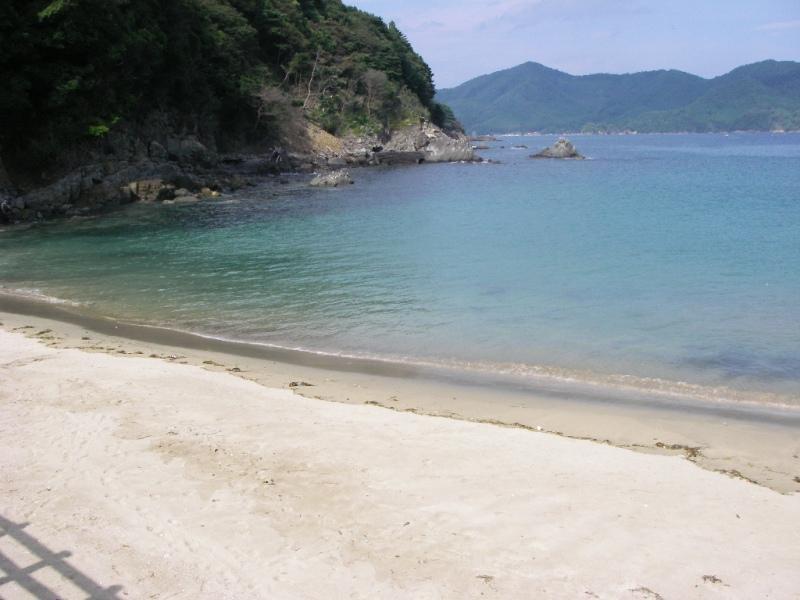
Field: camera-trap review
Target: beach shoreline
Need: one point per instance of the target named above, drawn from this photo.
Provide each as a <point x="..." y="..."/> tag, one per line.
<point x="178" y="476"/>
<point x="757" y="443"/>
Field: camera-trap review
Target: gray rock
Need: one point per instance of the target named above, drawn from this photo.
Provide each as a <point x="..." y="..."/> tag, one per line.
<point x="190" y="150"/>
<point x="443" y="148"/>
<point x="184" y="199"/>
<point x="8" y="210"/>
<point x="394" y="157"/>
<point x="207" y="192"/>
<point x="336" y="161"/>
<point x="237" y="182"/>
<point x="156" y="151"/>
<point x="333" y="179"/>
<point x="151" y="190"/>
<point x="561" y="149"/>
<point x="435" y="144"/>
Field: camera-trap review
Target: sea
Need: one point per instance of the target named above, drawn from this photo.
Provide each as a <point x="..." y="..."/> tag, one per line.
<point x="666" y="262"/>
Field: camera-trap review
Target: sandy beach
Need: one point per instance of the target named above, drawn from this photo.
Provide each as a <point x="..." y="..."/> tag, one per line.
<point x="167" y="480"/>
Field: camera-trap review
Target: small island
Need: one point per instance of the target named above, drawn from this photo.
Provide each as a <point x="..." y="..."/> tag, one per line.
<point x="563" y="148"/>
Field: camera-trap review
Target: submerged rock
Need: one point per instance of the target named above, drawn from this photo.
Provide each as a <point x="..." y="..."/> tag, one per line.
<point x="561" y="149"/>
<point x="332" y="179"/>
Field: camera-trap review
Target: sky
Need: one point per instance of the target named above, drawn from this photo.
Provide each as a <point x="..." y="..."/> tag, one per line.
<point x="461" y="39"/>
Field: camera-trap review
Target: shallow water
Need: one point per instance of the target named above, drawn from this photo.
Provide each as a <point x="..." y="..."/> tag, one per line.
<point x="664" y="256"/>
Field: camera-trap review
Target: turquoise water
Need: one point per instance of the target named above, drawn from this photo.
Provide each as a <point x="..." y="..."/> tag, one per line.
<point x="664" y="256"/>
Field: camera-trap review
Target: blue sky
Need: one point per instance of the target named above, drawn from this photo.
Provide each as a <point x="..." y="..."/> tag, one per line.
<point x="461" y="39"/>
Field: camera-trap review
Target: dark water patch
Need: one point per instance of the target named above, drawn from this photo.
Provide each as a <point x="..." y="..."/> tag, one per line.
<point x="741" y="363"/>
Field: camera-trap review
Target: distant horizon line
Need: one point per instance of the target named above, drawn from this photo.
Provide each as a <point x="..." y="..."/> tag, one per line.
<point x="534" y="62"/>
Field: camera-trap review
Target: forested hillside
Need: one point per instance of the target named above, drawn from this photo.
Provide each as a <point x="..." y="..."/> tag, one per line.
<point x="232" y="71"/>
<point x="761" y="96"/>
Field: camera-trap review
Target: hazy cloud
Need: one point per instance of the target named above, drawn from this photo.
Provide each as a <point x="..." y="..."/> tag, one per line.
<point x="779" y="26"/>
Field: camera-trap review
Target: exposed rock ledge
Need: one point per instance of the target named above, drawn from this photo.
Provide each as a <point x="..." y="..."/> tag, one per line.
<point x="184" y="168"/>
<point x="96" y="186"/>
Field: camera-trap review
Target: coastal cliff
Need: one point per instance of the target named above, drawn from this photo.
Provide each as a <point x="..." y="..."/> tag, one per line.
<point x="110" y="104"/>
<point x="186" y="168"/>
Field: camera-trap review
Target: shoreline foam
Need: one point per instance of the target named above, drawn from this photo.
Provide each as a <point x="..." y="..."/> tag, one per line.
<point x="515" y="375"/>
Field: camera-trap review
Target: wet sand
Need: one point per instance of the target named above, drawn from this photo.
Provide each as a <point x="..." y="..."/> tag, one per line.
<point x="759" y="443"/>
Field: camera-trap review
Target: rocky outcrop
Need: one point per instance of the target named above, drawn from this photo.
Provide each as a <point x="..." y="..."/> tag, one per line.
<point x="158" y="165"/>
<point x="561" y="149"/>
<point x="187" y="151"/>
<point x="432" y="142"/>
<point x="393" y="157"/>
<point x="144" y="162"/>
<point x="99" y="186"/>
<point x="332" y="179"/>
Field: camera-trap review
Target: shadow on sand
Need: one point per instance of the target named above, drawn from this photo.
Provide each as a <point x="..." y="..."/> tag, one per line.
<point x="24" y="576"/>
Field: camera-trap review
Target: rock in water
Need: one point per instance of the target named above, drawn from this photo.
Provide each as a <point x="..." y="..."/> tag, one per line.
<point x="333" y="179"/>
<point x="561" y="149"/>
<point x="431" y="142"/>
<point x="394" y="157"/>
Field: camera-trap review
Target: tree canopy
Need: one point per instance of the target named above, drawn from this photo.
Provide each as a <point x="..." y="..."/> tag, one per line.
<point x="75" y="69"/>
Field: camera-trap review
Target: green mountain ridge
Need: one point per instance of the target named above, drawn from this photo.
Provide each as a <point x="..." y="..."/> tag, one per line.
<point x="533" y="97"/>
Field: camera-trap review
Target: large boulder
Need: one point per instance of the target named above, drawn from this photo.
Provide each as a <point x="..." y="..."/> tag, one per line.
<point x="332" y="179"/>
<point x="443" y="148"/>
<point x="434" y="144"/>
<point x="189" y="151"/>
<point x="561" y="149"/>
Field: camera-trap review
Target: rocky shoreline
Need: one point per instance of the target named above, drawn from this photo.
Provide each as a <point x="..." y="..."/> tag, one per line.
<point x="183" y="168"/>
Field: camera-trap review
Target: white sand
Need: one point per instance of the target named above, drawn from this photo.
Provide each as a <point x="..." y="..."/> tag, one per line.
<point x="176" y="482"/>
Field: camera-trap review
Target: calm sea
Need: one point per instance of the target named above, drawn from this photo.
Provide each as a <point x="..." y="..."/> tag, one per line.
<point x="663" y="258"/>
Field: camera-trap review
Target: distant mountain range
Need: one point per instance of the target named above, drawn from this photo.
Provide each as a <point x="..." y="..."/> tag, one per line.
<point x="532" y="97"/>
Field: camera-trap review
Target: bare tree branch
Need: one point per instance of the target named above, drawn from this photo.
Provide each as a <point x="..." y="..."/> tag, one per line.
<point x="311" y="79"/>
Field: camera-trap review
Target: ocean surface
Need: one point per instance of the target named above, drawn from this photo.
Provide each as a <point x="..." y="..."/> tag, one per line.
<point x="667" y="261"/>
